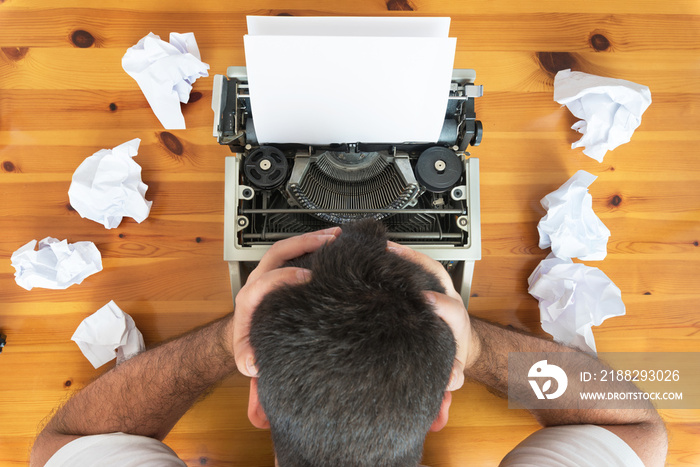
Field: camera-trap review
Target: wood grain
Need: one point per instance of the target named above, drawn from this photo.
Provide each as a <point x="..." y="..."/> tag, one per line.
<point x="64" y="95"/>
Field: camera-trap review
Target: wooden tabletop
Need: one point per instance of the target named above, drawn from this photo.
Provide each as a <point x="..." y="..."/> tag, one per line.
<point x="64" y="96"/>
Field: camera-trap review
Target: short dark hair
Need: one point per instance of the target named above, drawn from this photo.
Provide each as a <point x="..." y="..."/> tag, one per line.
<point x="353" y="365"/>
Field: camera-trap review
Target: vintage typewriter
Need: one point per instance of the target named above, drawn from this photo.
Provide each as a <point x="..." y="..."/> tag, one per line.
<point x="427" y="195"/>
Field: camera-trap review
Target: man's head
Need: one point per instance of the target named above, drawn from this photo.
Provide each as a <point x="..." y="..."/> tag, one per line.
<point x="352" y="365"/>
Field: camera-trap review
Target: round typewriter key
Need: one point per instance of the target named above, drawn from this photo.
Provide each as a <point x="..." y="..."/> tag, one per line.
<point x="266" y="167"/>
<point x="438" y="169"/>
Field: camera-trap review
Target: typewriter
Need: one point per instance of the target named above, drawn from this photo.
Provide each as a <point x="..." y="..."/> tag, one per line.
<point x="427" y="195"/>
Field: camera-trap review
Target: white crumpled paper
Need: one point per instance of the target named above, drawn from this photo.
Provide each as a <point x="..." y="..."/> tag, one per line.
<point x="108" y="333"/>
<point x="56" y="264"/>
<point x="570" y="226"/>
<point x="610" y="109"/>
<point x="107" y="186"/>
<point x="573" y="297"/>
<point x="165" y="73"/>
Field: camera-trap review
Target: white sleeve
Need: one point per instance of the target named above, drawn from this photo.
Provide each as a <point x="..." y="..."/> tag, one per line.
<point x="572" y="446"/>
<point x="115" y="449"/>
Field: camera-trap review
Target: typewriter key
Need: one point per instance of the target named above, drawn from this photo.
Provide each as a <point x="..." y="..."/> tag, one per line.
<point x="266" y="167"/>
<point x="438" y="169"/>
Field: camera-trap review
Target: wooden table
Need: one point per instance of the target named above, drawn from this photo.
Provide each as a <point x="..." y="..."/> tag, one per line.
<point x="64" y="95"/>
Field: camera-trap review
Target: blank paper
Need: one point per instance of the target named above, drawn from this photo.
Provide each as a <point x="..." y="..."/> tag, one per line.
<point x="347" y="26"/>
<point x="339" y="89"/>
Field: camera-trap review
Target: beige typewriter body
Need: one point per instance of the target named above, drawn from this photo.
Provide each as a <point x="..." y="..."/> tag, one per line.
<point x="426" y="194"/>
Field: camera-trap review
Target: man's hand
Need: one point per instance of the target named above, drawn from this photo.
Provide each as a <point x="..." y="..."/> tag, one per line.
<point x="451" y="309"/>
<point x="266" y="277"/>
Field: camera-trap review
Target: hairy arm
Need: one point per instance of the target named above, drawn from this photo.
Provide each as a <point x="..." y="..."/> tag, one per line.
<point x="145" y="395"/>
<point x="482" y="356"/>
<point x="640" y="427"/>
<point x="149" y="393"/>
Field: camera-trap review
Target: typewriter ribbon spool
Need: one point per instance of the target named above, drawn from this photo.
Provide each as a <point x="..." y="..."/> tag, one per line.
<point x="266" y="167"/>
<point x="438" y="169"/>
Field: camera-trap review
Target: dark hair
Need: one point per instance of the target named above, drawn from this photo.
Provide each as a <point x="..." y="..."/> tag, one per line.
<point x="353" y="365"/>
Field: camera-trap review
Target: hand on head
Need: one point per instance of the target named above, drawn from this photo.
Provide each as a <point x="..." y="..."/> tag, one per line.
<point x="267" y="276"/>
<point x="450" y="307"/>
<point x="270" y="274"/>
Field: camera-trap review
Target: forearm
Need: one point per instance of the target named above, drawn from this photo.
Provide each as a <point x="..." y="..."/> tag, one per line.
<point x="148" y="394"/>
<point x="491" y="369"/>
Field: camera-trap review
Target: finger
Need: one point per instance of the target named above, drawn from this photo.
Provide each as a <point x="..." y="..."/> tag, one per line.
<point x="451" y="310"/>
<point x="329" y="231"/>
<point x="291" y="248"/>
<point x="247" y="301"/>
<point x="428" y="263"/>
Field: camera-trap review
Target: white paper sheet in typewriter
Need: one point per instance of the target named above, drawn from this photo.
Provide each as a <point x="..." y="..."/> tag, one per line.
<point x="370" y="88"/>
<point x="377" y="26"/>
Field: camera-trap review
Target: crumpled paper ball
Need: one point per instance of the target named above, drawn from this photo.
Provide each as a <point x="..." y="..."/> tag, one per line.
<point x="572" y="298"/>
<point x="55" y="264"/>
<point x="570" y="226"/>
<point x="165" y="73"/>
<point x="107" y="186"/>
<point x="610" y="109"/>
<point x="108" y="333"/>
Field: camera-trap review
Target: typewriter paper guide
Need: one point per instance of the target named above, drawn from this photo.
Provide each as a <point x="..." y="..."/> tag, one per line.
<point x="339" y="89"/>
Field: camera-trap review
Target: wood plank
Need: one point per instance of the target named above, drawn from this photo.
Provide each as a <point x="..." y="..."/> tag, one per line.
<point x="100" y="69"/>
<point x="377" y="8"/>
<point x="535" y="31"/>
<point x="168" y="272"/>
<point x="533" y="111"/>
